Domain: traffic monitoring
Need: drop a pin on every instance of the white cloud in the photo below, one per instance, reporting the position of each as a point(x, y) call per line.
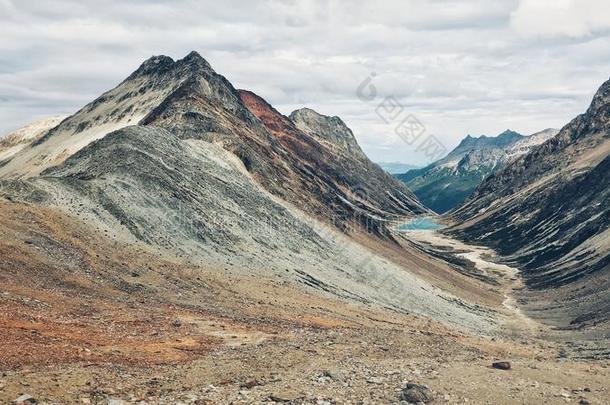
point(561, 18)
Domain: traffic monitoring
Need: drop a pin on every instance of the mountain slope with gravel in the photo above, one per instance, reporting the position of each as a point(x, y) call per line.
point(189, 98)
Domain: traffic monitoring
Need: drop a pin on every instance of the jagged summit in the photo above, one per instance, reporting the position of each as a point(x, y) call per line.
point(509, 133)
point(161, 64)
point(311, 115)
point(153, 64)
point(470, 143)
point(194, 57)
point(503, 139)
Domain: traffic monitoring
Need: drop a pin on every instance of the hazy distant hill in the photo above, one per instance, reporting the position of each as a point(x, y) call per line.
point(397, 167)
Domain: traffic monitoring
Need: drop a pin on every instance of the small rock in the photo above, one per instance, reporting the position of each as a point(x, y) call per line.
point(286, 396)
point(322, 378)
point(250, 384)
point(25, 399)
point(501, 365)
point(584, 402)
point(177, 323)
point(374, 380)
point(335, 375)
point(415, 393)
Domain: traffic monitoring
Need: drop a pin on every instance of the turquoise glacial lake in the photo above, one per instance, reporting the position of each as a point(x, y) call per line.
point(420, 224)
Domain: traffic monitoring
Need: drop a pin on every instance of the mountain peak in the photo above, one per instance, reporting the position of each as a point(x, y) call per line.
point(160, 64)
point(331, 129)
point(601, 98)
point(193, 55)
point(507, 137)
point(306, 110)
point(195, 59)
point(306, 114)
point(501, 140)
point(156, 63)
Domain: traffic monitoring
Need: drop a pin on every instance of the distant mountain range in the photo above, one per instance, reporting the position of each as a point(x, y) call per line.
point(23, 137)
point(397, 167)
point(447, 182)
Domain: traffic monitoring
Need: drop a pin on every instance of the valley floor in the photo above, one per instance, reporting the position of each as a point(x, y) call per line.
point(144, 329)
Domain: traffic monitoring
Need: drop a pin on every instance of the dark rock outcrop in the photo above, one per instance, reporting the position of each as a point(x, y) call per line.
point(416, 394)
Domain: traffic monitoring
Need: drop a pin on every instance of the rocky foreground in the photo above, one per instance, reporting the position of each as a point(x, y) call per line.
point(139, 328)
point(340, 365)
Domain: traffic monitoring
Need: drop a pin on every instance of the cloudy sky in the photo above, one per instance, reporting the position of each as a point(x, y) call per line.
point(459, 66)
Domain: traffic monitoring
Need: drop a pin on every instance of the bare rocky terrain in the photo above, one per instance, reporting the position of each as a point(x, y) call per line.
point(181, 241)
point(136, 327)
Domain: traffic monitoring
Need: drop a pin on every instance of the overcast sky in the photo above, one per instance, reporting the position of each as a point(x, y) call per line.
point(461, 67)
